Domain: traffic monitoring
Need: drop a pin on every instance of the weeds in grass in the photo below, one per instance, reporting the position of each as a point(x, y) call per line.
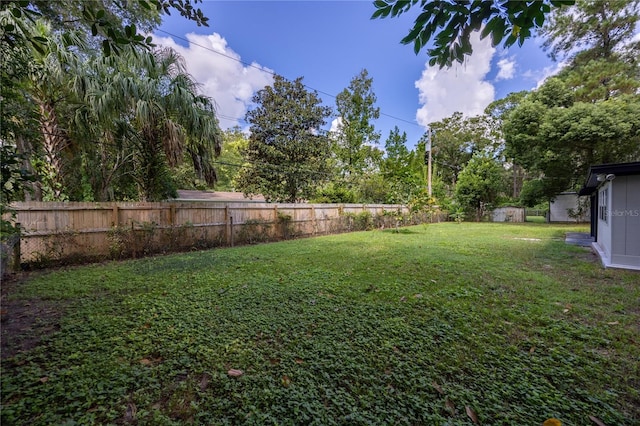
point(503, 321)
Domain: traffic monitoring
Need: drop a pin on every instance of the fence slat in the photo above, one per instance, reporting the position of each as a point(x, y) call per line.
point(53, 231)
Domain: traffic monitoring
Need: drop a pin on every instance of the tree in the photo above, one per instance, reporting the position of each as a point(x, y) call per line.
point(148, 105)
point(596, 38)
point(479, 184)
point(287, 153)
point(457, 138)
point(234, 142)
point(114, 24)
point(398, 169)
point(47, 87)
point(560, 139)
point(90, 139)
point(499, 110)
point(14, 181)
point(356, 135)
point(588, 113)
point(19, 119)
point(592, 29)
point(451, 22)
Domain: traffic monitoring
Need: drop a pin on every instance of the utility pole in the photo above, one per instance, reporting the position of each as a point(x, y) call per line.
point(428, 148)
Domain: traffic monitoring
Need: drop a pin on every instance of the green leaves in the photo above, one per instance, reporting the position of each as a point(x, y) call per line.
point(287, 154)
point(330, 330)
point(449, 24)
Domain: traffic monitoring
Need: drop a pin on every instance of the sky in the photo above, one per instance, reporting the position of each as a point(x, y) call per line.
point(328, 43)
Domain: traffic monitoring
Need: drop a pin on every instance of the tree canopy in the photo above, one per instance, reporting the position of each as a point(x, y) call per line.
point(479, 184)
point(287, 154)
point(356, 134)
point(588, 113)
point(98, 126)
point(113, 23)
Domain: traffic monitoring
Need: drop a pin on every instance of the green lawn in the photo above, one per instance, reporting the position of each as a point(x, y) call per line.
point(365, 328)
point(536, 219)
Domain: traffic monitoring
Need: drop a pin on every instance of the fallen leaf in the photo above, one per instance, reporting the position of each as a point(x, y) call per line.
point(204, 382)
point(565, 310)
point(44, 379)
point(235, 373)
point(403, 298)
point(450, 406)
point(286, 381)
point(532, 350)
point(145, 361)
point(552, 422)
point(613, 323)
point(437, 387)
point(299, 361)
point(434, 281)
point(274, 361)
point(132, 411)
point(417, 296)
point(472, 414)
point(596, 421)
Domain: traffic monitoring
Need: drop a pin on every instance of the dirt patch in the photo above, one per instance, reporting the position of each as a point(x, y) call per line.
point(24, 323)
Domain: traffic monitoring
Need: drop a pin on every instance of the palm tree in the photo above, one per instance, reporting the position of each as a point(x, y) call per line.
point(148, 106)
point(49, 71)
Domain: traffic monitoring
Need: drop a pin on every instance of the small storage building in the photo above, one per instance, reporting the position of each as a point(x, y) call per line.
point(614, 190)
point(568, 207)
point(508, 214)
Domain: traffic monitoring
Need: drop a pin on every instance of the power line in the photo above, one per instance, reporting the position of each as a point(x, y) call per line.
point(262, 69)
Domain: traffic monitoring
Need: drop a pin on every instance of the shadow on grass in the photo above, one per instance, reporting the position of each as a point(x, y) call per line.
point(405, 231)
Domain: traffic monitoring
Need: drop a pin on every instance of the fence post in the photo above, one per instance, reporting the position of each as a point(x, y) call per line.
point(172, 215)
point(17, 251)
point(114, 216)
point(227, 226)
point(313, 219)
point(276, 225)
point(231, 221)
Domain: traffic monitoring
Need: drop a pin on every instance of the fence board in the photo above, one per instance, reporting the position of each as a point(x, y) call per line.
point(54, 231)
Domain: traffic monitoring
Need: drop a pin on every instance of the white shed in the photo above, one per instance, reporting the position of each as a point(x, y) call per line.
point(615, 213)
point(508, 214)
point(568, 207)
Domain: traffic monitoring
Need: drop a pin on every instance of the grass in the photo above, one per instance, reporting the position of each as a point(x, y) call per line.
point(536, 219)
point(365, 328)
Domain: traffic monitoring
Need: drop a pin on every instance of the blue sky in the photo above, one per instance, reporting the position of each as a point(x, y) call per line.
point(330, 42)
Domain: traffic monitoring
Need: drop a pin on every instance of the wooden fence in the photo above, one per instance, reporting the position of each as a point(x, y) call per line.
point(76, 232)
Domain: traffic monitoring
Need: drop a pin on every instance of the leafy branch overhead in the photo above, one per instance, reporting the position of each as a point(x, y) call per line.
point(103, 21)
point(449, 24)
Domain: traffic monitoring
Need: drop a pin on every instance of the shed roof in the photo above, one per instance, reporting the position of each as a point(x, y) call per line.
point(618, 169)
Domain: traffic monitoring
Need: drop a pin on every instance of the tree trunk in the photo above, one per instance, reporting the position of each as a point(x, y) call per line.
point(54, 141)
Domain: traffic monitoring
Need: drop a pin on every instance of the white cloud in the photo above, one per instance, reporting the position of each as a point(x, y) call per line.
point(230, 83)
point(459, 88)
point(539, 76)
point(336, 124)
point(506, 69)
